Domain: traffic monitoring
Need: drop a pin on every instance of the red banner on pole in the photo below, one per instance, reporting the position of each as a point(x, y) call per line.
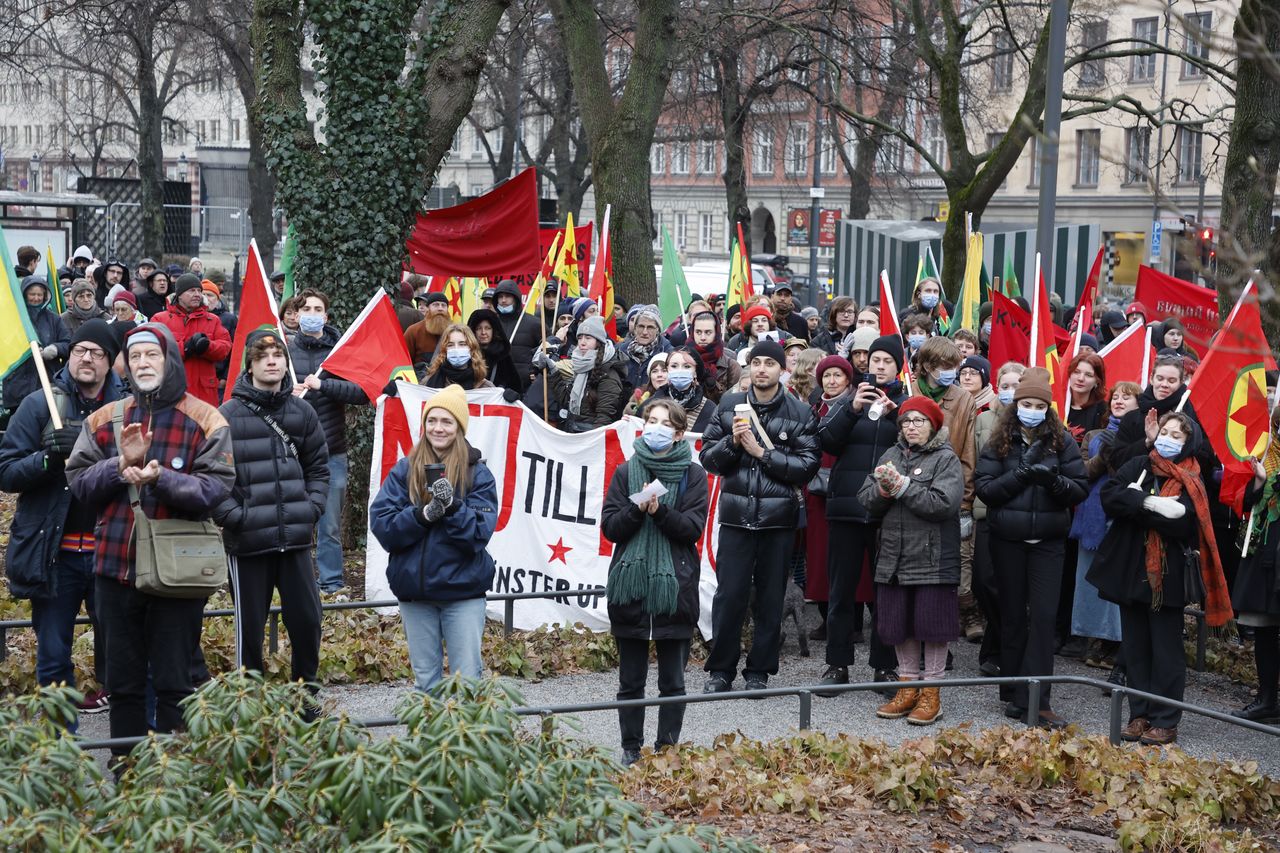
point(498, 230)
point(1196, 306)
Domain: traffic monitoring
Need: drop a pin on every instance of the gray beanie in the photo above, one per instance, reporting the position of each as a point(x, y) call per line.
point(593, 327)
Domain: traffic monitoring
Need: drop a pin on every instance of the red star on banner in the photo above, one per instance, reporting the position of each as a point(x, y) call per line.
point(558, 551)
point(455, 302)
point(1252, 414)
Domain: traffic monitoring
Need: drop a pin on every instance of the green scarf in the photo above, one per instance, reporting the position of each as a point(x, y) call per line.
point(644, 571)
point(927, 389)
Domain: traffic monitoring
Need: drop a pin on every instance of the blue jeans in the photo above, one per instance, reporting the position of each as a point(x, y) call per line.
point(459, 623)
point(54, 618)
point(329, 536)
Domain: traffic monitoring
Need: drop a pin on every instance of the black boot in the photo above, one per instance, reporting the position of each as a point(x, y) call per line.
point(1263, 709)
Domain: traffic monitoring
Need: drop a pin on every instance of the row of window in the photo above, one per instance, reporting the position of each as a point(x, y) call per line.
point(713, 230)
point(175, 133)
point(1137, 156)
point(677, 157)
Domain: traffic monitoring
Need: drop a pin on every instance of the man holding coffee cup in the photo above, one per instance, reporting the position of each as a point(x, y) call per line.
point(763, 443)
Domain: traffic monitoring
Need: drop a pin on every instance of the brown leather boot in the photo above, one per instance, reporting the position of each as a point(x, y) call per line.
point(902, 702)
point(928, 710)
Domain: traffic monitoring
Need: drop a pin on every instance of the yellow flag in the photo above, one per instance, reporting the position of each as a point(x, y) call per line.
point(540, 283)
point(472, 289)
point(971, 290)
point(16, 329)
point(567, 264)
point(453, 293)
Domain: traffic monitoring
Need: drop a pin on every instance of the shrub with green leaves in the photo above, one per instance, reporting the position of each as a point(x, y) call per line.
point(464, 774)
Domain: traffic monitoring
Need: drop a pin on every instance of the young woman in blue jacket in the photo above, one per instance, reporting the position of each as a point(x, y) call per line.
point(435, 523)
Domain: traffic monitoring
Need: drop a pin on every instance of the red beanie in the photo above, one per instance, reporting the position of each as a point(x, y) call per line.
point(755, 311)
point(925, 406)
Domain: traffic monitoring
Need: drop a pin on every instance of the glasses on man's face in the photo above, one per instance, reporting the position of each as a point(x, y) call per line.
point(88, 353)
point(847, 311)
point(914, 423)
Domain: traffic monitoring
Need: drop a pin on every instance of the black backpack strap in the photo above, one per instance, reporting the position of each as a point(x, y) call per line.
point(271, 422)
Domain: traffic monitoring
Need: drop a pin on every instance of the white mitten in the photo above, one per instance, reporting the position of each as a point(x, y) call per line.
point(1168, 507)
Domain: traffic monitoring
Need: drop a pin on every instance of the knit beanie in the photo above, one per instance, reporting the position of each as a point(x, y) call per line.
point(82, 285)
point(836, 362)
point(769, 349)
point(808, 312)
point(581, 306)
point(1034, 386)
point(863, 338)
point(209, 287)
point(753, 312)
point(922, 404)
point(593, 327)
point(124, 295)
point(892, 344)
point(186, 281)
point(979, 364)
point(453, 400)
point(984, 312)
point(97, 331)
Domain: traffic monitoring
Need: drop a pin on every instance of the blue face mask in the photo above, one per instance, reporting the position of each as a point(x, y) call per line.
point(680, 378)
point(1031, 418)
point(986, 329)
point(916, 341)
point(946, 378)
point(659, 437)
point(1006, 396)
point(311, 323)
point(458, 356)
point(929, 300)
point(506, 309)
point(1168, 447)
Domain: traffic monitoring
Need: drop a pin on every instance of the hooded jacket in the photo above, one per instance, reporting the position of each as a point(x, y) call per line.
point(525, 334)
point(1019, 510)
point(280, 490)
point(919, 529)
point(74, 316)
point(44, 498)
point(202, 369)
point(50, 330)
point(189, 440)
point(497, 354)
point(331, 401)
point(444, 561)
point(762, 493)
point(151, 303)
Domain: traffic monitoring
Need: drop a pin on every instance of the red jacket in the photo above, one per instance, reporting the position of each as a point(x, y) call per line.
point(202, 376)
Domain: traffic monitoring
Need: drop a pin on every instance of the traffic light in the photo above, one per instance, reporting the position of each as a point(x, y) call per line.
point(1208, 250)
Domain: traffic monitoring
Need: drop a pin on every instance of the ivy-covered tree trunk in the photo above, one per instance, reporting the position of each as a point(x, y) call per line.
point(620, 132)
point(150, 155)
point(1253, 156)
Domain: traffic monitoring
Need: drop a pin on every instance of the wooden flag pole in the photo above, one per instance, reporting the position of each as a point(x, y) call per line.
point(546, 374)
point(45, 386)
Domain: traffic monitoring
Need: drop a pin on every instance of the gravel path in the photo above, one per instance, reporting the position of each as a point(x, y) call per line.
point(851, 713)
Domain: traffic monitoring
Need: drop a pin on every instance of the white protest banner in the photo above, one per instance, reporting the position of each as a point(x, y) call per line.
point(551, 487)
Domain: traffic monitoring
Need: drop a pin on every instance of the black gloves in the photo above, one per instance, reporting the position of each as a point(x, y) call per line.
point(59, 442)
point(1034, 453)
point(197, 344)
point(1041, 475)
point(510, 395)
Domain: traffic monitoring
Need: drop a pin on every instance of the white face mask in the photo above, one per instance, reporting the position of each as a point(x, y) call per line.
point(458, 356)
point(680, 377)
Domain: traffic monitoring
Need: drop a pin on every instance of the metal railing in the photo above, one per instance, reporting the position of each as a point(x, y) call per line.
point(273, 621)
point(806, 693)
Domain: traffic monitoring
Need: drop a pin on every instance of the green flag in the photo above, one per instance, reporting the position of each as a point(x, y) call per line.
point(1011, 287)
point(673, 290)
point(287, 254)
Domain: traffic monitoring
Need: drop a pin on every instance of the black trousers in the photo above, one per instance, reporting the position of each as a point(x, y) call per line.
point(1029, 577)
point(146, 632)
point(751, 570)
point(633, 672)
point(1266, 655)
point(849, 543)
point(253, 579)
point(1067, 593)
point(1154, 660)
point(986, 590)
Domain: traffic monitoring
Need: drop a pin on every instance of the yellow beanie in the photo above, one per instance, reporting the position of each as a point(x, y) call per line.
point(453, 400)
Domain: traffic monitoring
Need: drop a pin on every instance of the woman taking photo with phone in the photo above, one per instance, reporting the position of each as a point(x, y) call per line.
point(435, 514)
point(653, 577)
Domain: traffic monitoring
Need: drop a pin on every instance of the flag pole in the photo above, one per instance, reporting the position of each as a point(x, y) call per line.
point(45, 386)
point(546, 374)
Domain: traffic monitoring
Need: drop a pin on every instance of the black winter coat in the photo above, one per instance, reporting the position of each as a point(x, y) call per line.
point(763, 493)
point(278, 497)
point(331, 401)
point(24, 379)
point(1257, 583)
point(1019, 510)
point(525, 337)
point(682, 526)
point(857, 442)
point(1131, 438)
point(1119, 569)
point(44, 499)
point(497, 353)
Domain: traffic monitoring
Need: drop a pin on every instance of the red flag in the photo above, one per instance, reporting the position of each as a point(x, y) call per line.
point(1128, 357)
point(1010, 331)
point(889, 325)
point(372, 351)
point(1229, 393)
point(1196, 306)
point(1082, 322)
point(258, 310)
point(601, 288)
point(498, 230)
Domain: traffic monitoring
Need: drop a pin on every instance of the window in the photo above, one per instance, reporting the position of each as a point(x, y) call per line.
point(934, 142)
point(1033, 147)
point(796, 162)
point(657, 229)
point(993, 140)
point(886, 47)
point(1196, 42)
point(215, 130)
point(199, 131)
point(762, 151)
point(618, 65)
point(706, 231)
point(1143, 68)
point(889, 156)
point(39, 134)
point(477, 190)
point(1190, 153)
point(456, 145)
point(1088, 156)
point(1002, 63)
point(678, 237)
point(706, 74)
point(1094, 71)
point(680, 81)
point(707, 157)
point(477, 141)
point(235, 130)
point(800, 60)
point(680, 154)
point(658, 158)
point(829, 156)
point(1137, 154)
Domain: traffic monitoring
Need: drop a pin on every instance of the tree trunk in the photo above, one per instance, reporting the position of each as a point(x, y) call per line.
point(864, 161)
point(262, 193)
point(953, 244)
point(1245, 235)
point(150, 156)
point(734, 119)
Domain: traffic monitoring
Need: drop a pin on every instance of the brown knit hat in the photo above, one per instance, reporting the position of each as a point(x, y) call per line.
point(1034, 386)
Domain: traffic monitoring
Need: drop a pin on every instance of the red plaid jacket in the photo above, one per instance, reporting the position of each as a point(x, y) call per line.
point(191, 442)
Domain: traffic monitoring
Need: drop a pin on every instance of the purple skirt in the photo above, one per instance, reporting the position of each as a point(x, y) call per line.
point(929, 614)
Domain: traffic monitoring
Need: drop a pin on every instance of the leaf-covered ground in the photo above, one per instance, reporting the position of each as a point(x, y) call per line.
point(958, 790)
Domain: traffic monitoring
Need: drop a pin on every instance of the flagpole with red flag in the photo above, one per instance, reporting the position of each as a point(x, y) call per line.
point(889, 326)
point(601, 288)
point(258, 309)
point(372, 351)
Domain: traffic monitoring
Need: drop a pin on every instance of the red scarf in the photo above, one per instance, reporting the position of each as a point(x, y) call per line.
point(710, 355)
point(1180, 477)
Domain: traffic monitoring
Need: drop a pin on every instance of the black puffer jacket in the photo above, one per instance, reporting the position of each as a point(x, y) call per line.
point(278, 497)
point(857, 442)
point(1131, 438)
point(331, 401)
point(762, 493)
point(682, 525)
point(1018, 509)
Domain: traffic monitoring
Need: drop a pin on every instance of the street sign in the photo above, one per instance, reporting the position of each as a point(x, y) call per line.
point(1157, 229)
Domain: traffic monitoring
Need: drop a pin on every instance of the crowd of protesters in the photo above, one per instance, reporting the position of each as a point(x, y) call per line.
point(900, 477)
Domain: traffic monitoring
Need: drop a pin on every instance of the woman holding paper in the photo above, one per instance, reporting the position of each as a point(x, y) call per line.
point(654, 512)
